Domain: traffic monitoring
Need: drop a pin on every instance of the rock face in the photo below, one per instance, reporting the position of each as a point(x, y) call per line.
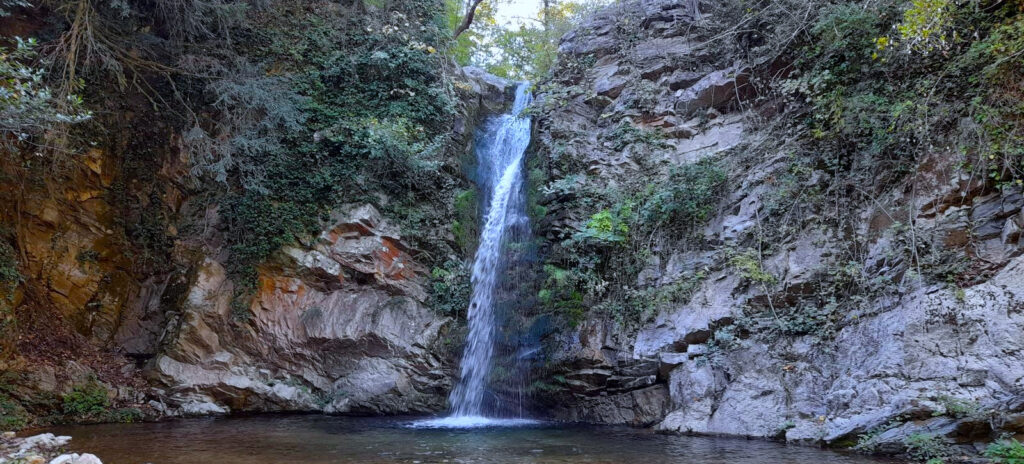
point(910, 357)
point(663, 84)
point(339, 322)
point(894, 364)
point(338, 325)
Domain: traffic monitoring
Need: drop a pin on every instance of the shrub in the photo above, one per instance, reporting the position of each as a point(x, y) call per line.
point(464, 227)
point(257, 113)
point(124, 415)
point(687, 198)
point(450, 288)
point(609, 226)
point(927, 447)
point(748, 263)
point(626, 134)
point(241, 311)
point(12, 415)
point(86, 401)
point(958, 408)
point(562, 292)
point(27, 105)
point(1006, 451)
point(324, 110)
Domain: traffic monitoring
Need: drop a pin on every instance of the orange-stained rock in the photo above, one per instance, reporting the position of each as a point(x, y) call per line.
point(341, 317)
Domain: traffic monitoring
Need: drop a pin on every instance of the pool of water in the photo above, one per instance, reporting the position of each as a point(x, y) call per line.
point(315, 439)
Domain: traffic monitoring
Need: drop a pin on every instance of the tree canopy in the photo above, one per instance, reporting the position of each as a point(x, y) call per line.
point(524, 51)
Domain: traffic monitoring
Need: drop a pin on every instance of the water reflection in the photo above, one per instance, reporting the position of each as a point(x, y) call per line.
point(324, 439)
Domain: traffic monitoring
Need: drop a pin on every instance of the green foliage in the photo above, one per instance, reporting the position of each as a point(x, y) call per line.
point(326, 111)
point(464, 225)
point(28, 106)
point(450, 288)
point(596, 268)
point(89, 402)
point(527, 51)
point(843, 39)
point(626, 134)
point(958, 408)
point(927, 447)
point(561, 292)
point(867, 442)
point(926, 24)
point(241, 309)
point(996, 65)
point(1005, 451)
point(608, 226)
point(467, 46)
point(10, 278)
point(258, 111)
point(86, 401)
point(640, 304)
point(871, 111)
point(261, 226)
point(688, 197)
point(875, 106)
point(748, 263)
point(13, 415)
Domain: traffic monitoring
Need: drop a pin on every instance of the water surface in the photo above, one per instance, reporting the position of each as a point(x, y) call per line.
point(315, 439)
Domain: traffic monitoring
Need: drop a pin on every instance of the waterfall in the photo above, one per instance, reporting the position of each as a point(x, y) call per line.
point(500, 148)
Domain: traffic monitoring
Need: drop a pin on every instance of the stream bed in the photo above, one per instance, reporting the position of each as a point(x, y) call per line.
point(318, 439)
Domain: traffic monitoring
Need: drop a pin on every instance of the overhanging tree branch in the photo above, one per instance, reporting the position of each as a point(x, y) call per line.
point(468, 19)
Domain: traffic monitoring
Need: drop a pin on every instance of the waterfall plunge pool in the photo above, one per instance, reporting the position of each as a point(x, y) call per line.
point(318, 439)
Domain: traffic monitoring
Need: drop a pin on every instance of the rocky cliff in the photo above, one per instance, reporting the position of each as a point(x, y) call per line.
point(136, 284)
point(725, 268)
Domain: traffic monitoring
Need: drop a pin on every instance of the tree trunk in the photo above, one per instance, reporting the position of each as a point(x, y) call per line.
point(467, 20)
point(547, 15)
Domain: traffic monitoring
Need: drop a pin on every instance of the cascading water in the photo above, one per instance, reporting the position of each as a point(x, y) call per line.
point(500, 149)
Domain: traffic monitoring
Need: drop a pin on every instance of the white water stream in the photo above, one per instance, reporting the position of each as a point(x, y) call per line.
point(500, 153)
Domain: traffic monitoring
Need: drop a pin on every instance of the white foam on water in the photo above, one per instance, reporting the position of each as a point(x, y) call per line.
point(471, 422)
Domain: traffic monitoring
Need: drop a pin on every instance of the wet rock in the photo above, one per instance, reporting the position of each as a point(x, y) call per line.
point(638, 407)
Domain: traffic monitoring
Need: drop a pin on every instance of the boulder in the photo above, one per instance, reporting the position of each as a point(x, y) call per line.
point(76, 459)
point(715, 90)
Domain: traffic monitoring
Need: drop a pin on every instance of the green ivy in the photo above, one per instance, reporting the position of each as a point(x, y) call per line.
point(450, 288)
point(688, 197)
